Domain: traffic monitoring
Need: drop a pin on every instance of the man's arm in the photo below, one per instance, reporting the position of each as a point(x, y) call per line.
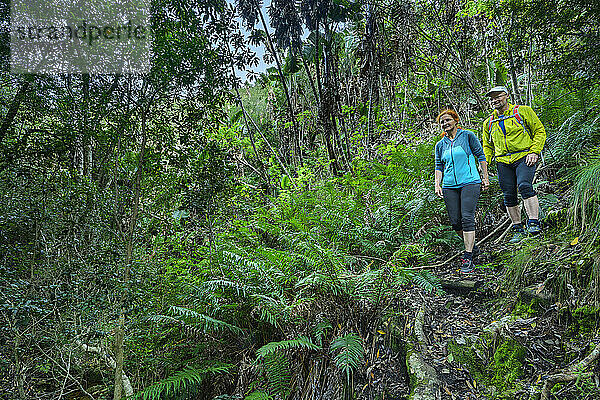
point(538, 132)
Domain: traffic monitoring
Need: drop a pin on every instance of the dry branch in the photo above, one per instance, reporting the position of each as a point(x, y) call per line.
point(455, 256)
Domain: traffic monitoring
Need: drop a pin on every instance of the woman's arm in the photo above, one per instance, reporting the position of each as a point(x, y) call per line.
point(438, 183)
point(485, 181)
point(438, 169)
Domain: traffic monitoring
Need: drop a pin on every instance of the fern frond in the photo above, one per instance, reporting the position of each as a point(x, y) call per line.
point(350, 353)
point(205, 322)
point(320, 330)
point(586, 195)
point(318, 279)
point(428, 281)
point(240, 288)
point(163, 319)
point(278, 372)
point(365, 286)
point(271, 310)
point(301, 342)
point(258, 396)
point(180, 382)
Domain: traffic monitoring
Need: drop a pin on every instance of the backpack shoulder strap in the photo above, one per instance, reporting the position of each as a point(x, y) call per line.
point(520, 119)
point(490, 122)
point(517, 115)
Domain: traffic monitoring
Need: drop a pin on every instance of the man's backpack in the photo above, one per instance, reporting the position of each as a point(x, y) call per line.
point(515, 114)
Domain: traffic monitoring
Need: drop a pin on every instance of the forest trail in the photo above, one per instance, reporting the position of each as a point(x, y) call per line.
point(480, 341)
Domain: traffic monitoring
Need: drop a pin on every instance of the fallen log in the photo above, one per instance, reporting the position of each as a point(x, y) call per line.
point(460, 285)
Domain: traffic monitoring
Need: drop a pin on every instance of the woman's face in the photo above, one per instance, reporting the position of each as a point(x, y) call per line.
point(447, 123)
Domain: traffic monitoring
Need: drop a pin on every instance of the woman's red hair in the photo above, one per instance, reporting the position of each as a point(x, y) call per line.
point(448, 111)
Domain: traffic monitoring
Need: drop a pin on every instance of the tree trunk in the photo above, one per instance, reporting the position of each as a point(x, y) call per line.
point(120, 330)
point(271, 48)
point(328, 104)
point(13, 109)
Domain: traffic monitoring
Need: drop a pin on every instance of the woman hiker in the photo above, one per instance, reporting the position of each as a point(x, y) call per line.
point(457, 179)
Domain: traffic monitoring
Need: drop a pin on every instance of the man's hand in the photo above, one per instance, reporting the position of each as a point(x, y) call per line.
point(531, 159)
point(439, 191)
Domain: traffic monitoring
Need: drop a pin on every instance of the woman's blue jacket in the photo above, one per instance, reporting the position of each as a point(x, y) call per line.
point(457, 159)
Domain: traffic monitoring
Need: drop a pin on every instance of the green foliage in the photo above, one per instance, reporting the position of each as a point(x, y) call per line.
point(501, 372)
point(278, 372)
point(429, 282)
point(258, 396)
point(195, 321)
point(508, 364)
point(586, 196)
point(349, 353)
point(578, 135)
point(302, 342)
point(585, 319)
point(182, 383)
point(518, 266)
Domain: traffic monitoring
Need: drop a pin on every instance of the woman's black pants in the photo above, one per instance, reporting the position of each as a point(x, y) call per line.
point(461, 204)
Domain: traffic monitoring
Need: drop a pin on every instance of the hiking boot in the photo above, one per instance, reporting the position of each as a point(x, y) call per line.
point(476, 251)
point(534, 229)
point(517, 237)
point(466, 266)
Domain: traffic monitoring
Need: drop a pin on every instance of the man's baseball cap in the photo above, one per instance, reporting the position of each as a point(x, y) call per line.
point(497, 89)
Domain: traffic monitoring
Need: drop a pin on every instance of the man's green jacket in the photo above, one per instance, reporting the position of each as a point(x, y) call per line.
point(507, 140)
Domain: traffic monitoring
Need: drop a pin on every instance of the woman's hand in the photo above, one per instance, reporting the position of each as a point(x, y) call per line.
point(438, 191)
point(485, 183)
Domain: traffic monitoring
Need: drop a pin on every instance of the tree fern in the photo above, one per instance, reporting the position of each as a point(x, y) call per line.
point(349, 353)
point(180, 382)
point(301, 342)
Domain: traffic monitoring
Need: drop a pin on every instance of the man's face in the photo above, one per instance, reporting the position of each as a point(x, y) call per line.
point(499, 100)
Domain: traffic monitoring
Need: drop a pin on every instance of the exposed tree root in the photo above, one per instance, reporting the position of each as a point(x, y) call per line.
point(573, 372)
point(424, 381)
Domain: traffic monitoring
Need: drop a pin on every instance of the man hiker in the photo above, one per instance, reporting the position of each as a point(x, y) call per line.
point(515, 136)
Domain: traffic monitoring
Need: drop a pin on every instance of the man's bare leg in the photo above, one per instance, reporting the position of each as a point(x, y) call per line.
point(515, 214)
point(532, 207)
